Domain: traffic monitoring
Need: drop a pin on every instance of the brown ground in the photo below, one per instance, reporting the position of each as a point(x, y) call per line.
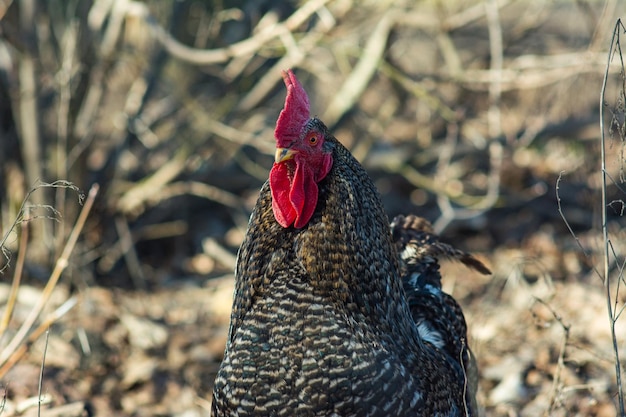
point(180, 143)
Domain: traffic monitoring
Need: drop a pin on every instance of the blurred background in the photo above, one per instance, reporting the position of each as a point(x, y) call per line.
point(481, 116)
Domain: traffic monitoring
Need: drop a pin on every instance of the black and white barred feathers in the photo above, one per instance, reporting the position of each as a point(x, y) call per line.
point(438, 316)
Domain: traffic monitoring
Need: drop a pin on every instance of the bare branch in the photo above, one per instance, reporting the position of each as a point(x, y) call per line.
point(220, 55)
point(363, 72)
point(614, 48)
point(61, 264)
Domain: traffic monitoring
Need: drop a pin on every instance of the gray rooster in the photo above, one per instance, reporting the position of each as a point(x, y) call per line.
point(334, 313)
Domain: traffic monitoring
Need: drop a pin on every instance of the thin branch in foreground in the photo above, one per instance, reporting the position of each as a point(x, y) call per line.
point(614, 49)
point(3, 403)
point(584, 251)
point(22, 218)
point(43, 362)
point(15, 284)
point(59, 267)
point(18, 353)
point(620, 277)
point(557, 377)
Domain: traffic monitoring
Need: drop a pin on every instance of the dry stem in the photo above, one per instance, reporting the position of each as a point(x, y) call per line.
point(59, 267)
point(17, 277)
point(614, 48)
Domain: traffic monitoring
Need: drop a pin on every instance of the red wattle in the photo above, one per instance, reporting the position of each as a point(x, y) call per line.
point(303, 195)
point(293, 202)
point(280, 186)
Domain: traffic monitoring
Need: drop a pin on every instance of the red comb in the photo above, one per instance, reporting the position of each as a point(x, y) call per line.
point(295, 113)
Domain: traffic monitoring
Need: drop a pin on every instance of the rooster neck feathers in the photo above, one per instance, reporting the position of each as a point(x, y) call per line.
point(345, 249)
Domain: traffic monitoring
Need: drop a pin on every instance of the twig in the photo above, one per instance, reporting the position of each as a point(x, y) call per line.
point(3, 403)
point(43, 363)
point(605, 19)
point(584, 251)
point(529, 72)
point(466, 381)
point(199, 189)
point(17, 277)
point(22, 211)
point(363, 72)
point(448, 213)
point(230, 133)
point(479, 207)
point(291, 59)
point(238, 64)
point(475, 208)
point(130, 254)
point(154, 231)
point(24, 407)
point(557, 381)
point(620, 276)
point(221, 55)
point(449, 53)
point(76, 409)
point(114, 27)
point(64, 77)
point(132, 201)
point(469, 15)
point(114, 16)
point(216, 251)
point(19, 352)
point(495, 87)
point(443, 162)
point(420, 92)
point(4, 6)
point(61, 264)
point(615, 47)
point(28, 113)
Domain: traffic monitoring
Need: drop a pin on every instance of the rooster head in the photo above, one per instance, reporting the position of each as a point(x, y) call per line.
point(303, 158)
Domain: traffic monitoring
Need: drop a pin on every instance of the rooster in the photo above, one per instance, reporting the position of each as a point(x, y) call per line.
point(328, 317)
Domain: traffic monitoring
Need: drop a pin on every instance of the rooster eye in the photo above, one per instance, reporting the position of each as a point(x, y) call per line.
point(313, 140)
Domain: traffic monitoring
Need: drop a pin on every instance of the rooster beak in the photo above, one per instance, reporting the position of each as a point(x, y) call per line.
point(284, 154)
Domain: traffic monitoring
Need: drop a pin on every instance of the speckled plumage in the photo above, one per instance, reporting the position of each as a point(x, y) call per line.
point(321, 325)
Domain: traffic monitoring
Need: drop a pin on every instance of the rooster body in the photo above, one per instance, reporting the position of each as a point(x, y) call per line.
point(321, 325)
